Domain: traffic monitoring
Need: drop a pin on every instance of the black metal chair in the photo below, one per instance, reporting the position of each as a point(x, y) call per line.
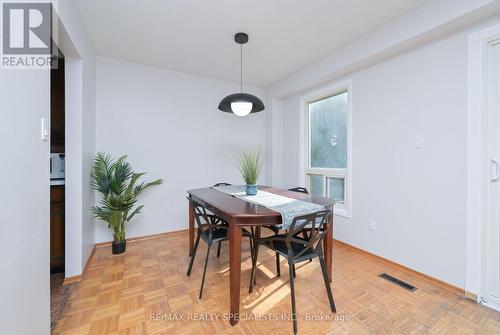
point(219, 245)
point(302, 242)
point(276, 229)
point(299, 189)
point(211, 229)
point(222, 184)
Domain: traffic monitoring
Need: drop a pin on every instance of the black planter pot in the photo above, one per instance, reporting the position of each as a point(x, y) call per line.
point(118, 248)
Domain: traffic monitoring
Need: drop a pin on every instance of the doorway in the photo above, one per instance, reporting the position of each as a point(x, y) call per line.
point(482, 271)
point(58, 291)
point(490, 286)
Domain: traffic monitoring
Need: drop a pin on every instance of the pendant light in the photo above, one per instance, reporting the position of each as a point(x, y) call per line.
point(241, 103)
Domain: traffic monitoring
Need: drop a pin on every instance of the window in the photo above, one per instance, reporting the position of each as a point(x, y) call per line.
point(328, 148)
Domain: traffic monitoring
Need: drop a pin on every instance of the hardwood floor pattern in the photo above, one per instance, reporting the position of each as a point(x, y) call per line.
point(119, 294)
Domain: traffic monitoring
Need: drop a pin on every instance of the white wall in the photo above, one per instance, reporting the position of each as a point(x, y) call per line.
point(24, 232)
point(24, 227)
point(169, 126)
point(80, 136)
point(274, 141)
point(416, 196)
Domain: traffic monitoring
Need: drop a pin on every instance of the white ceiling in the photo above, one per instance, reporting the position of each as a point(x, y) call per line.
point(196, 36)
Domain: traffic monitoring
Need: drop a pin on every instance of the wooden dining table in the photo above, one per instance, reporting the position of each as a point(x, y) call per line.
point(239, 213)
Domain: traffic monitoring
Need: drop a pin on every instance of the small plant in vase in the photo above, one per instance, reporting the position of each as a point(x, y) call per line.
point(250, 167)
point(120, 187)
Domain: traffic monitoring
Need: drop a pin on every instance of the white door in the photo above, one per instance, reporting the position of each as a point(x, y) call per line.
point(491, 233)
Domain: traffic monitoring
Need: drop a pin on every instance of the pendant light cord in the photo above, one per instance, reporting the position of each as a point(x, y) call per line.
point(241, 68)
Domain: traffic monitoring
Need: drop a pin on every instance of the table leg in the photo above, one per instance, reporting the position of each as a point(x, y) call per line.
point(191, 229)
point(234, 271)
point(327, 248)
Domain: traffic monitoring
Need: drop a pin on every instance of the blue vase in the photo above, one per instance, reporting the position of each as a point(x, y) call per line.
point(251, 189)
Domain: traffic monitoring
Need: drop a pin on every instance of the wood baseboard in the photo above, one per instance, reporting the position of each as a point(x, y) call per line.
point(89, 259)
point(72, 279)
point(435, 281)
point(432, 280)
point(142, 238)
point(471, 296)
point(77, 278)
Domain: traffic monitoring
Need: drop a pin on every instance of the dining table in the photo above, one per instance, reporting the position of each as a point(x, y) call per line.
point(239, 213)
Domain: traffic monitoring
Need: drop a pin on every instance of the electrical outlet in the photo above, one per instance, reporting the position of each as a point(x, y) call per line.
point(372, 225)
point(418, 142)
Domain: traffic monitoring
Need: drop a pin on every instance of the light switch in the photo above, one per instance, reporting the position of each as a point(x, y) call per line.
point(372, 225)
point(418, 142)
point(44, 129)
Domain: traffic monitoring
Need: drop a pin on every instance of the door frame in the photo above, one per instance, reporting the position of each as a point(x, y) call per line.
point(476, 162)
point(73, 255)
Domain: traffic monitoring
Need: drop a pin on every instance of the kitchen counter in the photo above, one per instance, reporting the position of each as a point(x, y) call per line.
point(56, 182)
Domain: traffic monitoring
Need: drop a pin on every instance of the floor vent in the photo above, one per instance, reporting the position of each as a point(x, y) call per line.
point(398, 282)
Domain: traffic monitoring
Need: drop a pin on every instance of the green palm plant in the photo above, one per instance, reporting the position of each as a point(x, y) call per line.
point(120, 187)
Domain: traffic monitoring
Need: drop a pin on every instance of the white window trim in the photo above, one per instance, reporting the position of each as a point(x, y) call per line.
point(304, 169)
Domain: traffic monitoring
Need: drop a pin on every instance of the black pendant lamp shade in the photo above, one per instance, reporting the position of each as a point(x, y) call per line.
point(225, 104)
point(239, 103)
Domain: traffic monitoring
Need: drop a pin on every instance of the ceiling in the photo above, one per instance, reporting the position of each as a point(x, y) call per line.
point(196, 36)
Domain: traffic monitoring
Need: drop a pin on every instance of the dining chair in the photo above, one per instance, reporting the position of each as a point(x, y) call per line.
point(299, 189)
point(276, 228)
point(219, 245)
point(211, 229)
point(222, 184)
point(302, 242)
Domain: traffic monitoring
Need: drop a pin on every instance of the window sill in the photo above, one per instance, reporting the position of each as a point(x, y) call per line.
point(342, 212)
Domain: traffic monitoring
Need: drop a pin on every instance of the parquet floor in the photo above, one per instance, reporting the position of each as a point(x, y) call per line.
point(146, 291)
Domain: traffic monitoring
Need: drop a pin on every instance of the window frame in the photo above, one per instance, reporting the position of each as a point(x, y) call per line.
point(344, 210)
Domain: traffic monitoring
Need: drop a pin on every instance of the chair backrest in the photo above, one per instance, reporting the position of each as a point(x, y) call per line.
point(299, 189)
point(204, 220)
point(222, 184)
point(309, 231)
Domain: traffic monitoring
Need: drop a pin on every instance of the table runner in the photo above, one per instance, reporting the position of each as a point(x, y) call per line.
point(288, 207)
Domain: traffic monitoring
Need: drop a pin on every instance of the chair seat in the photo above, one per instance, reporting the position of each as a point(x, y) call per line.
point(221, 234)
point(281, 248)
point(275, 228)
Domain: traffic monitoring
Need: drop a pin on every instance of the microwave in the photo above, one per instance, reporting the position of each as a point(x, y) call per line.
point(57, 166)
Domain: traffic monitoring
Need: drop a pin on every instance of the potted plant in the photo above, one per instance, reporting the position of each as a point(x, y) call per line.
point(250, 167)
point(120, 187)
